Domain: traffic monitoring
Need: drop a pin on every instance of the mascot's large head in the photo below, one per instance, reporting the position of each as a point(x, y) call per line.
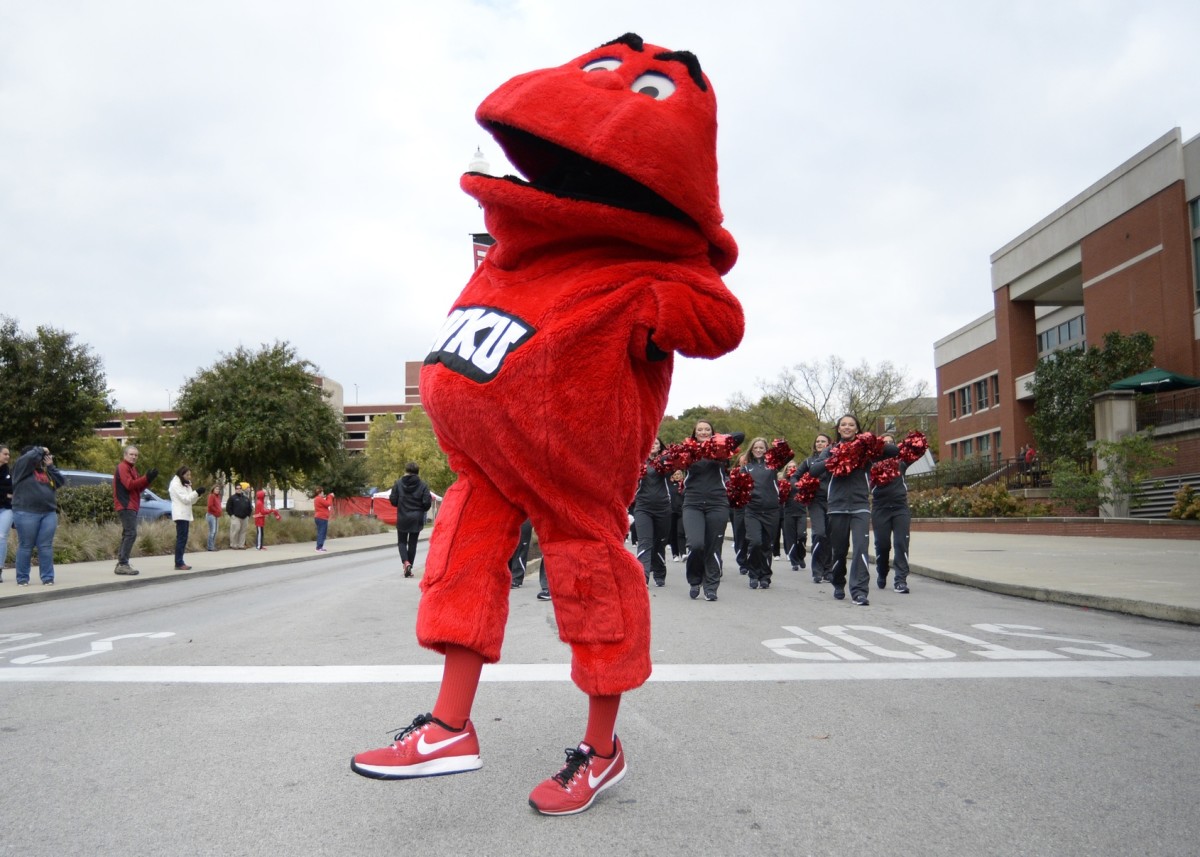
point(628, 125)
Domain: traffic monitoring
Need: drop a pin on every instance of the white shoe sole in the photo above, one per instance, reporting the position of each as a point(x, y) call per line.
point(432, 768)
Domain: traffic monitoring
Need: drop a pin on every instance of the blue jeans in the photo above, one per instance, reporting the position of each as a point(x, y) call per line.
point(212, 531)
point(322, 529)
point(6, 522)
point(35, 528)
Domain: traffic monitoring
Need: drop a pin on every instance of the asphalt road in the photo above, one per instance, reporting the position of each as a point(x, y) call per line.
point(217, 715)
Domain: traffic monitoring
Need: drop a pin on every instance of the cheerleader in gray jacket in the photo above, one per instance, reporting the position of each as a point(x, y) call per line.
point(705, 517)
point(795, 521)
point(817, 510)
point(891, 520)
point(652, 518)
point(849, 516)
point(762, 514)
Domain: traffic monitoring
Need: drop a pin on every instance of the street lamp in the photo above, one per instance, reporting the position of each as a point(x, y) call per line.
point(356, 394)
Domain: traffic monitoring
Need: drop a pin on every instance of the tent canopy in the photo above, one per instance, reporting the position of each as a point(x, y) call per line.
point(1156, 381)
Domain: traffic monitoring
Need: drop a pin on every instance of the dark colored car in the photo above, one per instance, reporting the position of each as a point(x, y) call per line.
point(153, 507)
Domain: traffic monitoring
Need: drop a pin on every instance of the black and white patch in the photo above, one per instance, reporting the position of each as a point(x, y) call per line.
point(475, 341)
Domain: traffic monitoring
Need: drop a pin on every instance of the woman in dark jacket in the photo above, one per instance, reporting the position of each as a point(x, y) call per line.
point(705, 516)
point(850, 515)
point(652, 517)
point(762, 514)
point(412, 499)
point(817, 509)
point(35, 512)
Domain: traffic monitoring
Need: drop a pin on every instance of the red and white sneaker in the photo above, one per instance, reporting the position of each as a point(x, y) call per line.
point(425, 748)
point(585, 775)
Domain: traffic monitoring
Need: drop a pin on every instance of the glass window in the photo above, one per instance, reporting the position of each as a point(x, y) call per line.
point(981, 395)
point(964, 401)
point(1051, 337)
point(996, 389)
point(967, 448)
point(1076, 328)
point(985, 444)
point(953, 406)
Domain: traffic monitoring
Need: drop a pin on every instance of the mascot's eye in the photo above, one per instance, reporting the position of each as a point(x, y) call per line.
point(603, 64)
point(657, 86)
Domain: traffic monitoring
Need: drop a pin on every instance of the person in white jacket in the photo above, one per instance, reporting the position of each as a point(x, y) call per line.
point(183, 495)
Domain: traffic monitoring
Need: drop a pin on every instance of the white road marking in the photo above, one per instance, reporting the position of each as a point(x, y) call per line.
point(430, 674)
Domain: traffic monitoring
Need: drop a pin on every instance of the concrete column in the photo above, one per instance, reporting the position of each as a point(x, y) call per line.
point(1116, 418)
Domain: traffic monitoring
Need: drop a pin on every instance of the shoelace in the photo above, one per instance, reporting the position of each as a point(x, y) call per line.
point(576, 759)
point(418, 721)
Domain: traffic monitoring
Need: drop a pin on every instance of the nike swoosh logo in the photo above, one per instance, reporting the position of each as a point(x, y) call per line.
point(595, 781)
point(425, 747)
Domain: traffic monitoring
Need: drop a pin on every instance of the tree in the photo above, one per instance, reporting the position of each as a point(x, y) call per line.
point(260, 415)
point(52, 390)
point(830, 388)
point(157, 449)
point(772, 417)
point(391, 445)
point(1064, 383)
point(342, 474)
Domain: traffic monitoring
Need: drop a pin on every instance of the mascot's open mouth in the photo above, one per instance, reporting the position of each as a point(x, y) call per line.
point(557, 170)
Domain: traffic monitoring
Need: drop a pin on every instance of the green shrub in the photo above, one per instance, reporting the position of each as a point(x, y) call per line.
point(91, 504)
point(1187, 504)
point(982, 501)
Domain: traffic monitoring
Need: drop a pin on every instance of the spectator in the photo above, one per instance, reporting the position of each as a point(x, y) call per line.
point(6, 514)
point(322, 506)
point(182, 497)
point(127, 499)
point(35, 512)
point(238, 508)
point(213, 515)
point(260, 519)
point(412, 499)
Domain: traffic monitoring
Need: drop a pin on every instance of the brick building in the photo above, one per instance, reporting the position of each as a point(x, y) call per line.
point(1123, 256)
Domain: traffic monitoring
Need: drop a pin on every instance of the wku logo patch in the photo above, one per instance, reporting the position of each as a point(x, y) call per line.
point(475, 340)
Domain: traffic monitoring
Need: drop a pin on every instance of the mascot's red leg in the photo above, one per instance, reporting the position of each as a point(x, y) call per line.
point(600, 599)
point(465, 588)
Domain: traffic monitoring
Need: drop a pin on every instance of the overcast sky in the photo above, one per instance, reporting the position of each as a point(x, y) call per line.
point(178, 179)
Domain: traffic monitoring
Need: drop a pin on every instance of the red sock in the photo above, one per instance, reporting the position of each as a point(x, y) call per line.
point(460, 680)
point(602, 723)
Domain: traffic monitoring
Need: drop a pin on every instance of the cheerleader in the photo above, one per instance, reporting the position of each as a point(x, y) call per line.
point(817, 508)
point(652, 518)
point(795, 521)
point(891, 520)
point(737, 520)
point(762, 514)
point(705, 517)
point(675, 538)
point(849, 514)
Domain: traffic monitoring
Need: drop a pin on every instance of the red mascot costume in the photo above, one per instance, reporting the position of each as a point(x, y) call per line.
point(549, 379)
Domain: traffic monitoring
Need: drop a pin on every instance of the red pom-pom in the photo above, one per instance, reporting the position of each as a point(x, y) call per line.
point(785, 491)
point(778, 454)
point(913, 447)
point(739, 487)
point(720, 447)
point(806, 489)
point(883, 472)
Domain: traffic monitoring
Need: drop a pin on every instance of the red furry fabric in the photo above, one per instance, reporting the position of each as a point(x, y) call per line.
point(550, 377)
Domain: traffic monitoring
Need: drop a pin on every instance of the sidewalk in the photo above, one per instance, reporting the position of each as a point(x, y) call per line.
point(1155, 578)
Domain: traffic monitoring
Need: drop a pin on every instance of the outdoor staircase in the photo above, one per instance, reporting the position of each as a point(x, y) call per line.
point(1158, 496)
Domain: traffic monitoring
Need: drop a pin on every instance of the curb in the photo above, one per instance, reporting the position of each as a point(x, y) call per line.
point(1146, 609)
point(54, 594)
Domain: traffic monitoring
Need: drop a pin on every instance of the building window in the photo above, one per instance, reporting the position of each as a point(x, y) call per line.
point(981, 395)
point(967, 448)
point(953, 405)
point(1194, 208)
point(995, 389)
point(964, 401)
point(1068, 334)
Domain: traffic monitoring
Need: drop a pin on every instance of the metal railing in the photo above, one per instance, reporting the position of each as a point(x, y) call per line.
point(1014, 473)
point(1164, 409)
